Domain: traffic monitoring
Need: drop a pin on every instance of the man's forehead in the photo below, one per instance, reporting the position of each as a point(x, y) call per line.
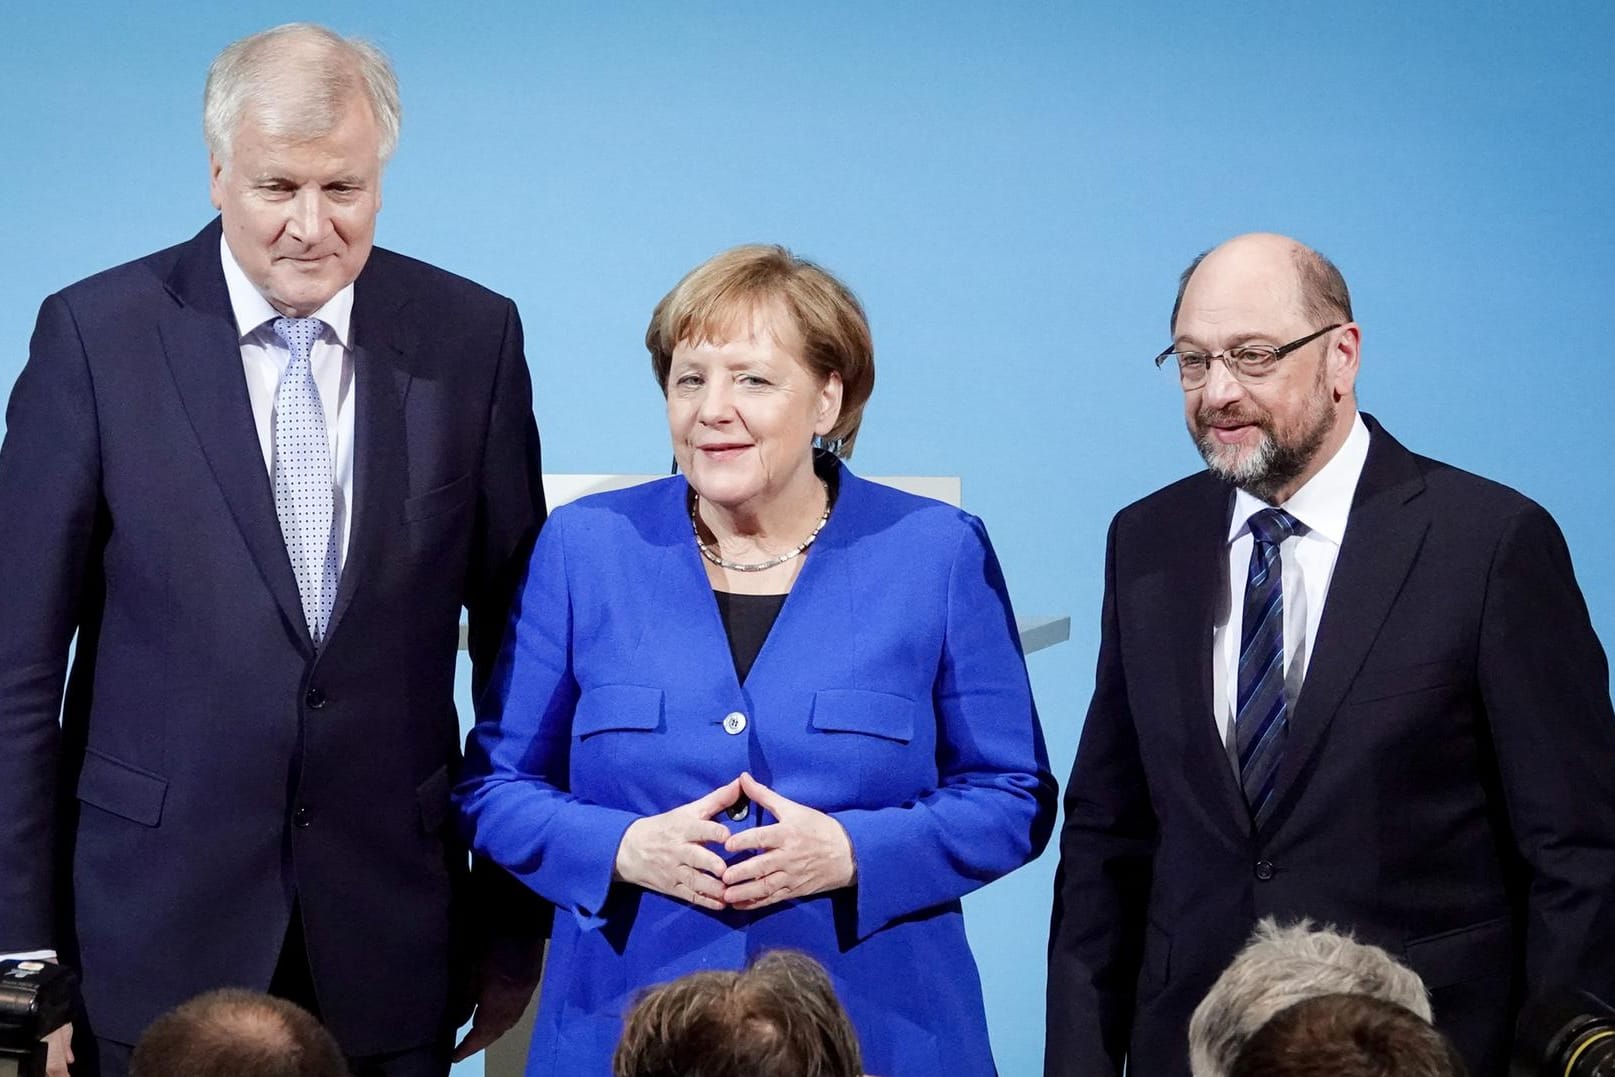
point(1243, 297)
point(345, 148)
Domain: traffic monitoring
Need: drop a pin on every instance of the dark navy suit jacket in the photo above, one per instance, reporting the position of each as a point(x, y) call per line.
point(210, 767)
point(1447, 790)
point(890, 693)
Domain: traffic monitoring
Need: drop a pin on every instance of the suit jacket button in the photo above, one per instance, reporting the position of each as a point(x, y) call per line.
point(1264, 870)
point(315, 698)
point(734, 722)
point(300, 818)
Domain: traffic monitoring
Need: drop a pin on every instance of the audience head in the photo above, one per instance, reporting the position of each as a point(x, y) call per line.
point(237, 1033)
point(1281, 966)
point(1347, 1036)
point(778, 1018)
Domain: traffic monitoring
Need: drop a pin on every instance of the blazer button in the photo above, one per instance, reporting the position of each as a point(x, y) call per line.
point(734, 722)
point(1264, 870)
point(315, 698)
point(300, 818)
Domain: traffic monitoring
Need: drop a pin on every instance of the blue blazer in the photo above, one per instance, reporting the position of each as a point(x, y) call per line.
point(891, 693)
point(212, 768)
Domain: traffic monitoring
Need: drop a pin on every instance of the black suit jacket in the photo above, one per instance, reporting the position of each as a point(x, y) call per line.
point(1447, 790)
point(210, 767)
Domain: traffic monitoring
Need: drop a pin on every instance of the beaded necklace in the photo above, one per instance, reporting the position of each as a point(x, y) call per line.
point(711, 553)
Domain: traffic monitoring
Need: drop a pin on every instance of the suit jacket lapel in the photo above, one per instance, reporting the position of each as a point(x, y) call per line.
point(674, 645)
point(381, 379)
point(1194, 588)
point(1383, 535)
point(681, 585)
point(827, 585)
point(203, 347)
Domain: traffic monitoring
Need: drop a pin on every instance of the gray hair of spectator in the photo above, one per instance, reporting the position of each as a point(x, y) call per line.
point(295, 80)
point(778, 1018)
point(1324, 295)
point(1348, 1036)
point(232, 1032)
point(1281, 966)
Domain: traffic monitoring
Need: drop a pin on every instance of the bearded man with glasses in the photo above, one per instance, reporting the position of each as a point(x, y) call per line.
point(1338, 681)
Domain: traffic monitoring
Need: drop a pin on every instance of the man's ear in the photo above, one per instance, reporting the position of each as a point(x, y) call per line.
point(215, 184)
point(1343, 358)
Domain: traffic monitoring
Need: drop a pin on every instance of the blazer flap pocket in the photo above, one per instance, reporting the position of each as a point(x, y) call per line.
point(451, 495)
point(1156, 968)
point(433, 797)
point(115, 786)
point(617, 706)
point(1372, 684)
point(855, 710)
point(1454, 957)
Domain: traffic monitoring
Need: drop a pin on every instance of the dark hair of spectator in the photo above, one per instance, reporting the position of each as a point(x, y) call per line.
point(236, 1033)
point(1347, 1036)
point(778, 1018)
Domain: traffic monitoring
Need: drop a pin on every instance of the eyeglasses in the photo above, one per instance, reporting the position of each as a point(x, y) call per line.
point(1246, 362)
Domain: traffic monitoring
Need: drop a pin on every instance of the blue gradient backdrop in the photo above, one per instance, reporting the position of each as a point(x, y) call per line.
point(1012, 189)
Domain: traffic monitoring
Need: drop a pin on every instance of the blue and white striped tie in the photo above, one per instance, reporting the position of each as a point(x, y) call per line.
point(1261, 721)
point(304, 494)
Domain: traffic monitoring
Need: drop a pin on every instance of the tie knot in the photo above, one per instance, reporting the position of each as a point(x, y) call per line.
point(299, 334)
point(1273, 526)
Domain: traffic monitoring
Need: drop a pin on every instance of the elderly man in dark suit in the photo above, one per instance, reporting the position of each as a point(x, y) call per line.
point(259, 474)
point(1336, 680)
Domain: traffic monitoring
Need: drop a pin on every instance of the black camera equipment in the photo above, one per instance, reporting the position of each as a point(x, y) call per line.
point(1564, 1033)
point(36, 997)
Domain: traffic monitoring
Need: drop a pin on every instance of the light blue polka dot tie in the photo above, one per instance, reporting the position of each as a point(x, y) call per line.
point(304, 495)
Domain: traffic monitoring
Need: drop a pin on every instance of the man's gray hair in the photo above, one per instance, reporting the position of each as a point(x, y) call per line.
point(295, 80)
point(1281, 966)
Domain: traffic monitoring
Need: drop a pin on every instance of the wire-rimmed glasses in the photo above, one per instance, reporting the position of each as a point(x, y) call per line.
point(1246, 362)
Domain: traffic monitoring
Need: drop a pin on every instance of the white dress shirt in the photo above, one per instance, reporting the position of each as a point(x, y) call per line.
point(1307, 563)
point(264, 356)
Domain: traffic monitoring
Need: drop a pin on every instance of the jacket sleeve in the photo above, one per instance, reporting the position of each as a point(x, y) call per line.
point(1102, 884)
point(508, 921)
point(993, 807)
point(1544, 682)
point(50, 502)
point(511, 505)
point(514, 798)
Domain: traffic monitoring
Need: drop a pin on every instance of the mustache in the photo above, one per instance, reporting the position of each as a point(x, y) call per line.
point(1230, 415)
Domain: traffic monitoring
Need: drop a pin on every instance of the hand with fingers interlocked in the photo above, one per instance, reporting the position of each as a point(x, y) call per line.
point(805, 852)
point(669, 852)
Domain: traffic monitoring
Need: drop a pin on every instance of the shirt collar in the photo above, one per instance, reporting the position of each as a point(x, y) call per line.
point(252, 311)
point(1325, 501)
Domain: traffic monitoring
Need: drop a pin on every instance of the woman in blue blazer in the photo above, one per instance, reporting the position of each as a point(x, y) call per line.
point(762, 703)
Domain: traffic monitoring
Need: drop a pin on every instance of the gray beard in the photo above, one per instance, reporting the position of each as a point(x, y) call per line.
point(1274, 464)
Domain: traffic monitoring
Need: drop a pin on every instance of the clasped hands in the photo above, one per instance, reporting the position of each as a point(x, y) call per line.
point(805, 852)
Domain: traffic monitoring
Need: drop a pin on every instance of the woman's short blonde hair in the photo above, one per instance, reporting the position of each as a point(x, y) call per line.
point(720, 297)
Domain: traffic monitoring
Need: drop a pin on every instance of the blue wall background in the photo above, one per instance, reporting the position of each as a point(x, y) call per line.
point(1012, 189)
